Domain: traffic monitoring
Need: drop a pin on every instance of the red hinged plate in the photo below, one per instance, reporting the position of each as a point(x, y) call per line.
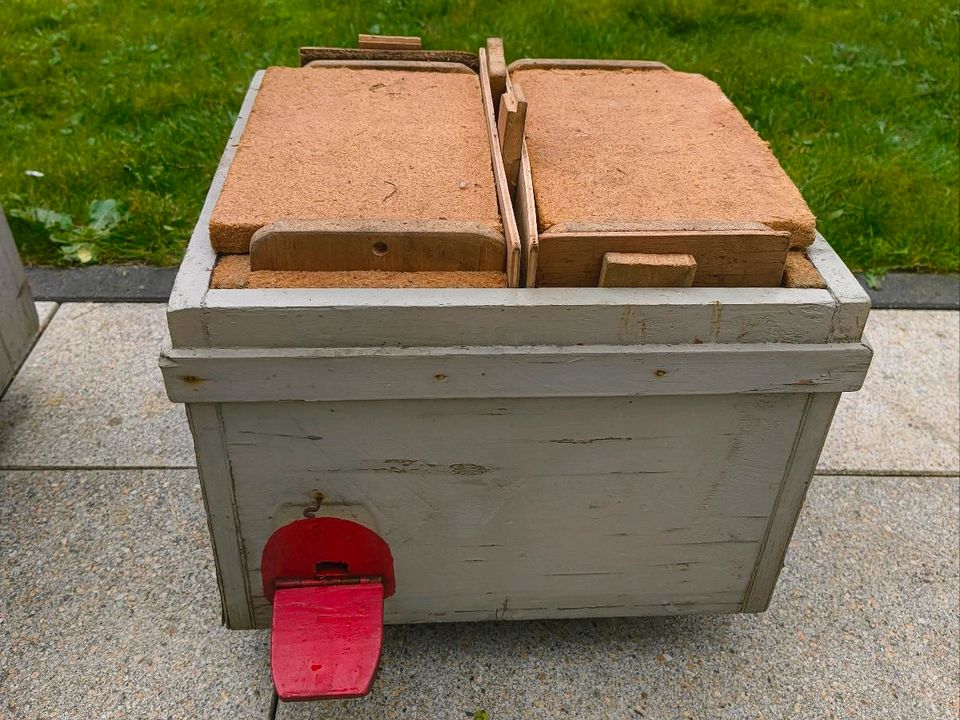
point(326, 640)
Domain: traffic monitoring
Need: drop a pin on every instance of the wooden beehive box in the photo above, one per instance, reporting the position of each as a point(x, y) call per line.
point(18, 316)
point(525, 452)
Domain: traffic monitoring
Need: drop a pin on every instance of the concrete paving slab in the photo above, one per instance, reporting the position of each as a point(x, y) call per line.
point(906, 419)
point(864, 624)
point(90, 394)
point(109, 604)
point(45, 311)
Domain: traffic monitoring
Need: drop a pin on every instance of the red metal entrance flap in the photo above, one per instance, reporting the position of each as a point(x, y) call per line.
point(326, 640)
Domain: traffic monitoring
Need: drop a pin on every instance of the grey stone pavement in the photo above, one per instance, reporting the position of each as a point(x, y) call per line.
point(109, 609)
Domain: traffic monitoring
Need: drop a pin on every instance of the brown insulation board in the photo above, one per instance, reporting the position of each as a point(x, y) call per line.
point(799, 272)
point(334, 143)
point(630, 146)
point(232, 272)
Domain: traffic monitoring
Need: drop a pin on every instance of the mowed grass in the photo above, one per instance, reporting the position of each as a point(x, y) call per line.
point(132, 101)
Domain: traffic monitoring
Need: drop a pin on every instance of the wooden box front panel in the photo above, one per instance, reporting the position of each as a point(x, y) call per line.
point(525, 508)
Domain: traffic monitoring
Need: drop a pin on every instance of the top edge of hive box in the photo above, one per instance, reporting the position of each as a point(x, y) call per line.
point(201, 317)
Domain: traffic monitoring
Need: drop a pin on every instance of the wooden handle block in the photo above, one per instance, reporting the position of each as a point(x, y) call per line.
point(389, 42)
point(510, 124)
point(497, 68)
point(389, 245)
point(647, 270)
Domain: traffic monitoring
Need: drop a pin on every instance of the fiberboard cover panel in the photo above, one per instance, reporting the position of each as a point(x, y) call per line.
point(357, 144)
point(633, 146)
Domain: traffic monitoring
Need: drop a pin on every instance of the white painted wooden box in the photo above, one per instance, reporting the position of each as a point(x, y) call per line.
point(526, 453)
point(18, 316)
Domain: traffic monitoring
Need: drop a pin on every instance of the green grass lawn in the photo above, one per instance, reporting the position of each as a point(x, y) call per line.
point(124, 105)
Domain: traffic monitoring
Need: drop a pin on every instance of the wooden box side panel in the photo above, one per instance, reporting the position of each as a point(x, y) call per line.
point(851, 302)
point(18, 316)
point(216, 485)
point(614, 316)
point(503, 509)
point(815, 424)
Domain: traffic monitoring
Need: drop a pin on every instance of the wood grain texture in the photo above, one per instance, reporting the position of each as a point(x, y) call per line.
point(815, 424)
point(851, 301)
point(309, 54)
point(510, 120)
point(389, 42)
point(725, 258)
point(646, 270)
point(525, 371)
point(547, 517)
point(216, 484)
point(592, 316)
point(387, 245)
point(526, 212)
point(497, 68)
point(584, 64)
point(409, 65)
point(510, 233)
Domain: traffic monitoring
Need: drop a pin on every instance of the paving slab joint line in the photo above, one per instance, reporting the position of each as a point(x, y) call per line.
point(94, 468)
point(830, 472)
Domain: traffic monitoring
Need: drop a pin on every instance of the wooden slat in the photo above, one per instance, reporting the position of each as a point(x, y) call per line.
point(389, 42)
point(510, 233)
point(409, 65)
point(598, 518)
point(258, 375)
point(373, 318)
point(647, 270)
point(497, 68)
point(390, 245)
point(216, 484)
point(585, 64)
point(853, 303)
point(309, 54)
point(526, 213)
point(802, 463)
point(725, 258)
point(510, 123)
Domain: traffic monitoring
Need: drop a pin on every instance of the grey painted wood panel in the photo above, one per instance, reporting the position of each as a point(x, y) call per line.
point(586, 452)
point(371, 374)
point(18, 316)
point(592, 316)
point(216, 485)
point(852, 301)
point(801, 466)
point(657, 503)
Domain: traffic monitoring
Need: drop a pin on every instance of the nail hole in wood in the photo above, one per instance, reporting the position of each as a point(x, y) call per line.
point(380, 249)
